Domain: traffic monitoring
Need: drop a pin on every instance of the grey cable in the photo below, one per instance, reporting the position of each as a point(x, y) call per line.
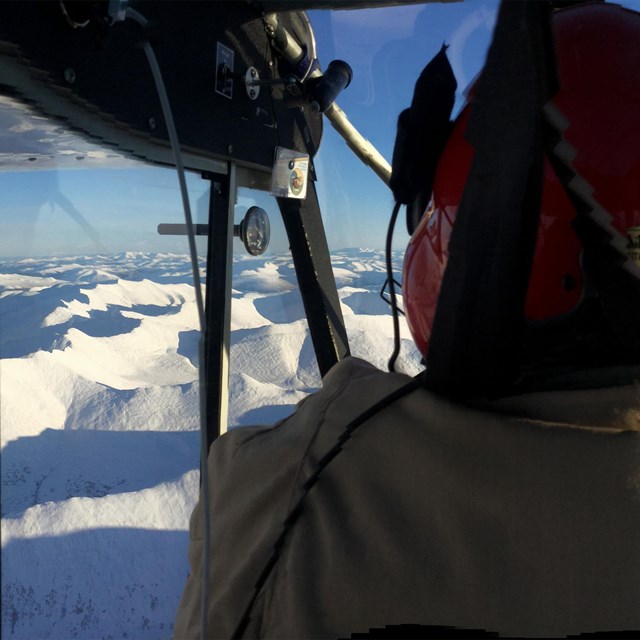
point(175, 146)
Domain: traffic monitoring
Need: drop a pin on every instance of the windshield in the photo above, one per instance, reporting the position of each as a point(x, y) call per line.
point(99, 330)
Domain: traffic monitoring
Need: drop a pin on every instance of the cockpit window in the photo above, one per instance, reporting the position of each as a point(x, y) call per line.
point(99, 334)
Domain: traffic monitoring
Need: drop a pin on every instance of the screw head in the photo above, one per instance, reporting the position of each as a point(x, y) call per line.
point(152, 123)
point(230, 148)
point(252, 94)
point(69, 75)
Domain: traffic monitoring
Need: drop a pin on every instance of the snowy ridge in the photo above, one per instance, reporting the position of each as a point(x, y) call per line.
point(99, 413)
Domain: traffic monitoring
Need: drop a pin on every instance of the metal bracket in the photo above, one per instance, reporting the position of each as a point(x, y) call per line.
point(251, 83)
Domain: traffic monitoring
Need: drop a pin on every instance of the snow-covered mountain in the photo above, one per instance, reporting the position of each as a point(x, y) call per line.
point(99, 416)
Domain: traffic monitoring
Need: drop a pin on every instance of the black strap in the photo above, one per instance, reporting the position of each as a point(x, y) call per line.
point(479, 323)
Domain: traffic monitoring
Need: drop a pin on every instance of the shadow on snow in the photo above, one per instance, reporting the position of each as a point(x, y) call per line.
point(23, 316)
point(60, 464)
point(54, 587)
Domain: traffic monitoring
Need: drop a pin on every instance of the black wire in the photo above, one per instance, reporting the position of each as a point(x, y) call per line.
point(392, 290)
point(323, 463)
point(204, 469)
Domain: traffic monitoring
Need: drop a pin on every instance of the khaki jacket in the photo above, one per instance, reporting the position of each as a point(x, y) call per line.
point(519, 516)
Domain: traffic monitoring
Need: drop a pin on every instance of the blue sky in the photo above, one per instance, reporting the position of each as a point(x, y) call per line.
point(88, 211)
point(387, 49)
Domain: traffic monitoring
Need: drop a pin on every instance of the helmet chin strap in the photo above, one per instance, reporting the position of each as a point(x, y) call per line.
point(613, 278)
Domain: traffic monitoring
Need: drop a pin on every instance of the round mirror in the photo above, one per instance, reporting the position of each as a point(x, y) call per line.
point(254, 231)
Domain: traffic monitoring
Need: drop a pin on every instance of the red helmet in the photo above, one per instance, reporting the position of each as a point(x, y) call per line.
point(598, 59)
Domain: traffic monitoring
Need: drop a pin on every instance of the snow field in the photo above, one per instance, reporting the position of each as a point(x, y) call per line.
point(99, 413)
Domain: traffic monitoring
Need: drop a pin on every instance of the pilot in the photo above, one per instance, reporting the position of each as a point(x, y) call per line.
point(383, 507)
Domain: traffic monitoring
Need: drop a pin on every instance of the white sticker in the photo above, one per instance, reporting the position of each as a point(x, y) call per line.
point(290, 174)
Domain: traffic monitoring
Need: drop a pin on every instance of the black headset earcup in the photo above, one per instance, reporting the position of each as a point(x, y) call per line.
point(422, 133)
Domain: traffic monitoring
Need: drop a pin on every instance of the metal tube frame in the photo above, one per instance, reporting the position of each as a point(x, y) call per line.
point(218, 300)
point(313, 270)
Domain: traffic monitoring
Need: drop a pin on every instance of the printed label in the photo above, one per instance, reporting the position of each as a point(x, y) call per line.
point(290, 172)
